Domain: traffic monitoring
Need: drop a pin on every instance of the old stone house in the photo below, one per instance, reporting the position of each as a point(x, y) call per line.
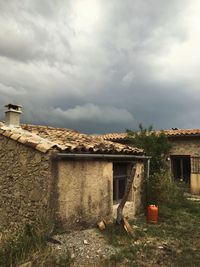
point(184, 157)
point(61, 174)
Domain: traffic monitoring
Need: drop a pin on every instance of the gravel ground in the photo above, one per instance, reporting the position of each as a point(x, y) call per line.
point(86, 247)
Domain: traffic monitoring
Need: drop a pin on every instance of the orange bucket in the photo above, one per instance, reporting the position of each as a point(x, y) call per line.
point(152, 214)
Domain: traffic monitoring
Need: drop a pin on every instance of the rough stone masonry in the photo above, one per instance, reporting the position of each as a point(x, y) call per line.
point(24, 185)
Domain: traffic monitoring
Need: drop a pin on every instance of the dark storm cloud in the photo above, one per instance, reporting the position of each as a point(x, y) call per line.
point(96, 65)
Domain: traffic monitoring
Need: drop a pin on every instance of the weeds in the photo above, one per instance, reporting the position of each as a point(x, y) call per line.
point(51, 260)
point(173, 242)
point(30, 240)
point(31, 244)
point(116, 235)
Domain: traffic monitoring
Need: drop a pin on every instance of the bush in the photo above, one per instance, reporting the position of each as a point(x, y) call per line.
point(162, 190)
point(159, 188)
point(155, 145)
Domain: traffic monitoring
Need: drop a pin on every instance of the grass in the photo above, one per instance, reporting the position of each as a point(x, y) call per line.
point(174, 241)
point(12, 252)
point(31, 245)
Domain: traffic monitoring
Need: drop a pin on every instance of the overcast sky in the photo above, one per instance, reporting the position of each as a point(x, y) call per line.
point(102, 66)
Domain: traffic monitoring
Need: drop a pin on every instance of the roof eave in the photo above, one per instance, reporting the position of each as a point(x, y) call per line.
point(183, 135)
point(100, 156)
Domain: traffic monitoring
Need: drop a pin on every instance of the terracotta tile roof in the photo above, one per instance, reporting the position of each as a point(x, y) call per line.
point(169, 133)
point(114, 136)
point(44, 138)
point(179, 132)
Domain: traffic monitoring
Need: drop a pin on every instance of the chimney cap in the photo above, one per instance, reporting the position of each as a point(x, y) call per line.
point(12, 115)
point(13, 106)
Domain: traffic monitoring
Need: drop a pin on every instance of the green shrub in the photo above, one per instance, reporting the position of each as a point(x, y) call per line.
point(155, 145)
point(161, 189)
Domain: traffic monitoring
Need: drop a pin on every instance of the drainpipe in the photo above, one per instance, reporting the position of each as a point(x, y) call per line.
point(148, 168)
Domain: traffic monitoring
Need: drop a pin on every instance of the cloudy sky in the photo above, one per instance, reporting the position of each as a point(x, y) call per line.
point(102, 66)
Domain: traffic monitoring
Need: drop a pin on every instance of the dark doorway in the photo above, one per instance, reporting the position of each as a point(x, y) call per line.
point(119, 180)
point(181, 168)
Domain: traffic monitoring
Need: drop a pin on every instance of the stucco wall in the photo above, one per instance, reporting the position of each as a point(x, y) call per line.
point(195, 183)
point(84, 190)
point(24, 185)
point(138, 188)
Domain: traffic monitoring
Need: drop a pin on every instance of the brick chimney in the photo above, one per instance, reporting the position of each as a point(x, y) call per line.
point(12, 115)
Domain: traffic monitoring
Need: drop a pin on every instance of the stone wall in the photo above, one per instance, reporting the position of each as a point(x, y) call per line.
point(185, 147)
point(24, 185)
point(84, 190)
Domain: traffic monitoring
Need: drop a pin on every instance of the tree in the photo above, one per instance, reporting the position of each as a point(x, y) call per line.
point(155, 145)
point(159, 188)
point(125, 196)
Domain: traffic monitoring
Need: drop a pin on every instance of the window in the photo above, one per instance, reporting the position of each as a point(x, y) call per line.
point(119, 180)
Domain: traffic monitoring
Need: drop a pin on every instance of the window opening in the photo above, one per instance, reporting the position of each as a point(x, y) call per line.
point(119, 180)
